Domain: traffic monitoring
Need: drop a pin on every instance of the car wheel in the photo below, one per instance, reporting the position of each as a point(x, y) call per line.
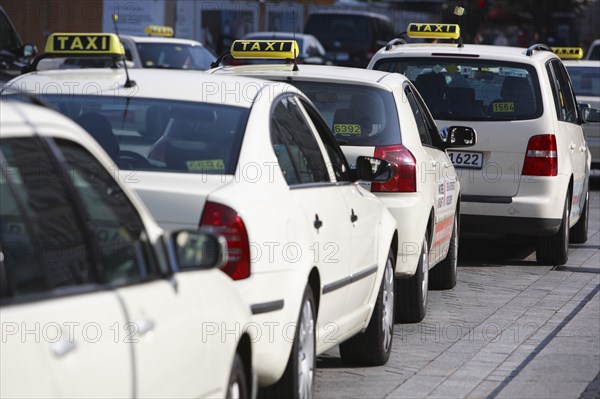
point(238, 387)
point(579, 232)
point(298, 378)
point(554, 249)
point(443, 275)
point(411, 294)
point(374, 346)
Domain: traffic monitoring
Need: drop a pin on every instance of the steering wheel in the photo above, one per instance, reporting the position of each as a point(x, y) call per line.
point(132, 160)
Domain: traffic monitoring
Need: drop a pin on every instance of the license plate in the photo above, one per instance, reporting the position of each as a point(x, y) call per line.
point(473, 160)
point(342, 56)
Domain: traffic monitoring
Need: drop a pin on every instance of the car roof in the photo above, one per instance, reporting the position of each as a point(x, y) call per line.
point(277, 35)
point(160, 39)
point(484, 51)
point(351, 12)
point(326, 73)
point(583, 63)
point(183, 85)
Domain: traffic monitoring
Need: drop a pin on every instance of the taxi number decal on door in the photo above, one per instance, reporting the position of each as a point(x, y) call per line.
point(346, 128)
point(205, 165)
point(503, 107)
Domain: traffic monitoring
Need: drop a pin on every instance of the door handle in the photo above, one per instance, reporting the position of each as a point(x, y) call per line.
point(572, 146)
point(353, 217)
point(144, 326)
point(317, 223)
point(62, 347)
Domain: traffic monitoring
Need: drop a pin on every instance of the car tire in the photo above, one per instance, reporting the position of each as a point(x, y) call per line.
point(554, 249)
point(374, 346)
point(238, 386)
point(411, 293)
point(298, 378)
point(579, 232)
point(443, 275)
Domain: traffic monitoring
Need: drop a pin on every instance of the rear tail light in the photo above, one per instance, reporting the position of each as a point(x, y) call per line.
point(225, 221)
point(404, 169)
point(541, 158)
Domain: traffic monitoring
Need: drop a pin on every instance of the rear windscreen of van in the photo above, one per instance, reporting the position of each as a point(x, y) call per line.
point(472, 89)
point(331, 27)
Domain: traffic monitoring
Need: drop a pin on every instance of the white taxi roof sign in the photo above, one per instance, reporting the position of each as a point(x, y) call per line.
point(568, 53)
point(84, 43)
point(158, 30)
point(433, 31)
point(260, 49)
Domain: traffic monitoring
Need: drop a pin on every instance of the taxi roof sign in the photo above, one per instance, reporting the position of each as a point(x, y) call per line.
point(568, 53)
point(433, 31)
point(261, 49)
point(84, 43)
point(158, 30)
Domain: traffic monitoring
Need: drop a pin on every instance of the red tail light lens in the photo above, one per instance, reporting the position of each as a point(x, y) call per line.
point(404, 169)
point(225, 221)
point(541, 158)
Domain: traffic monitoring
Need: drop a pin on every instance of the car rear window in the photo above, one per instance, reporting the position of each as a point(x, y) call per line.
point(472, 89)
point(586, 81)
point(160, 135)
point(174, 56)
point(357, 115)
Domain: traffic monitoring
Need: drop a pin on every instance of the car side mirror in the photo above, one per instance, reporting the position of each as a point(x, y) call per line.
point(590, 115)
point(459, 136)
point(29, 50)
point(373, 169)
point(197, 250)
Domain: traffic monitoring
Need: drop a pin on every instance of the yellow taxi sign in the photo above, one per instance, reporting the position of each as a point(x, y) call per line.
point(158, 30)
point(568, 53)
point(274, 49)
point(433, 31)
point(84, 43)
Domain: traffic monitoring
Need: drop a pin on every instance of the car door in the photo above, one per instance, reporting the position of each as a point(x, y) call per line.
point(570, 133)
point(301, 158)
point(362, 219)
point(168, 321)
point(437, 177)
point(58, 323)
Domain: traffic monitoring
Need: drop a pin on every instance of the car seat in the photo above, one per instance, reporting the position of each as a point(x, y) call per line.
point(101, 130)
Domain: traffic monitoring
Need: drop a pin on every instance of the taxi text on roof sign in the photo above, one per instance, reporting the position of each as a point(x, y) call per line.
point(157, 30)
point(433, 31)
point(279, 49)
point(84, 43)
point(566, 53)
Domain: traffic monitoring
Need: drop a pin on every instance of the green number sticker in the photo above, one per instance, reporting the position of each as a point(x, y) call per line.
point(346, 128)
point(503, 107)
point(208, 165)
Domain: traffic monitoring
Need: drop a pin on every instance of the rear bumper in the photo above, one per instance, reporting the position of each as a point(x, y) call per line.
point(509, 225)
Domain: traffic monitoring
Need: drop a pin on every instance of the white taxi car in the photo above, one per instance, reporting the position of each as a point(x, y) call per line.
point(528, 172)
point(381, 114)
point(95, 300)
point(585, 77)
point(311, 251)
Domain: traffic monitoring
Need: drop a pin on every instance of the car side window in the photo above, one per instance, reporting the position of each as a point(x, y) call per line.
point(420, 117)
point(114, 222)
point(562, 91)
point(336, 156)
point(295, 146)
point(44, 242)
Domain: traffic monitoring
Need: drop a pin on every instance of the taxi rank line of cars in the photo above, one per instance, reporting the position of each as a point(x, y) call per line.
point(528, 172)
point(585, 78)
point(96, 300)
point(381, 114)
point(311, 252)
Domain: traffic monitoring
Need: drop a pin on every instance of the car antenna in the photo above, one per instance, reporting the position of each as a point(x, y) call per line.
point(295, 68)
point(128, 82)
point(459, 11)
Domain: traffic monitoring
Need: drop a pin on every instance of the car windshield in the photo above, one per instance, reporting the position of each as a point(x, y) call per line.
point(175, 56)
point(160, 135)
point(332, 27)
point(586, 81)
point(472, 89)
point(358, 115)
